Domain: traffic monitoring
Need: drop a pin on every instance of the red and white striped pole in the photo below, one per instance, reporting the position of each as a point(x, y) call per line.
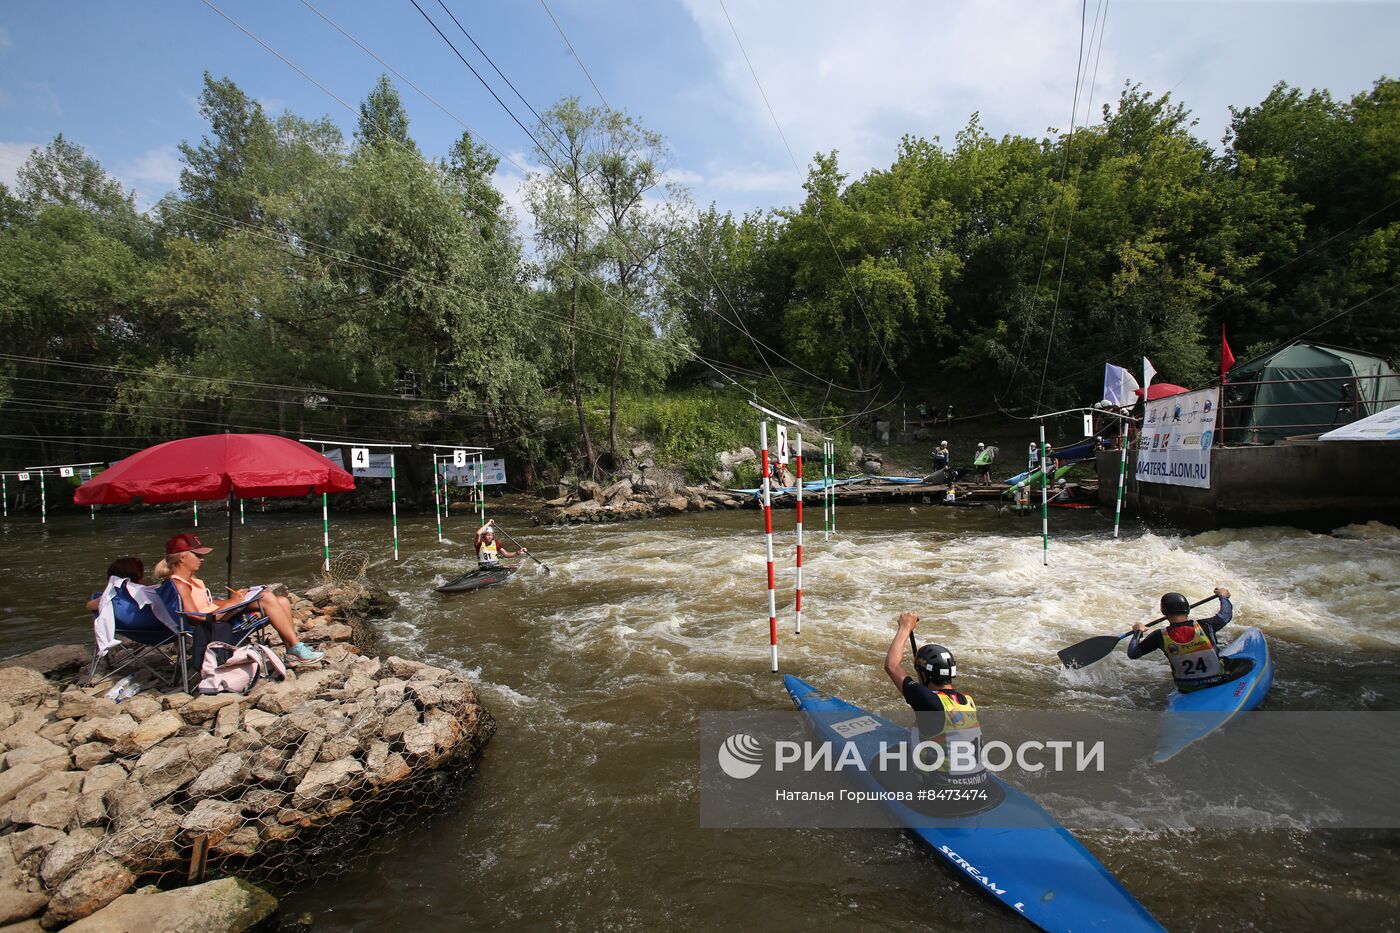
point(799, 534)
point(768, 540)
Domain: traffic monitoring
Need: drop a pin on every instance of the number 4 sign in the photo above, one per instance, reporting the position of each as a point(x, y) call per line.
point(782, 444)
point(359, 458)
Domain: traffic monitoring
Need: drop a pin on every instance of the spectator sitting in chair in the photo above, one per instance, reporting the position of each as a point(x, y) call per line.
point(184, 554)
point(128, 568)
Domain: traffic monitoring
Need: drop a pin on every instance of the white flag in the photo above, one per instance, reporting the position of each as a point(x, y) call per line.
point(1148, 371)
point(1119, 386)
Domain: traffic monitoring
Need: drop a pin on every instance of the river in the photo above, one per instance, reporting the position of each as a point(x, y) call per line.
point(584, 814)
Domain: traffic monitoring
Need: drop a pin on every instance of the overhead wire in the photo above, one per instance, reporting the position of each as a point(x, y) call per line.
point(855, 293)
point(578, 58)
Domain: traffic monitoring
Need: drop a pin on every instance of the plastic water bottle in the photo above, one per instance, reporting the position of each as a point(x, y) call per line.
point(130, 690)
point(118, 691)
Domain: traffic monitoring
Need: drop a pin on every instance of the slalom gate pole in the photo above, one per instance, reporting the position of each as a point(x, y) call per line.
point(833, 487)
point(92, 509)
point(1122, 474)
point(240, 510)
point(481, 486)
point(1044, 499)
point(44, 502)
point(326, 524)
point(826, 496)
point(5, 495)
point(768, 543)
point(437, 500)
point(196, 514)
point(394, 503)
point(446, 492)
point(799, 534)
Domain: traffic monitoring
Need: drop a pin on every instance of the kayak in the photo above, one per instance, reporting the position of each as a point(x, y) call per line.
point(1022, 479)
point(1013, 850)
point(478, 578)
point(963, 503)
point(1204, 711)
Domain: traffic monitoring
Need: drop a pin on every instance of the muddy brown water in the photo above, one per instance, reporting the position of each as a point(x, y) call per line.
point(585, 815)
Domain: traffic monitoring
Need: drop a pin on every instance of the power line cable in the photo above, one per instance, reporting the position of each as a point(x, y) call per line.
point(578, 58)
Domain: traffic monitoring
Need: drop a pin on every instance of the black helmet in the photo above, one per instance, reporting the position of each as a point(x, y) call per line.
point(1173, 603)
point(935, 664)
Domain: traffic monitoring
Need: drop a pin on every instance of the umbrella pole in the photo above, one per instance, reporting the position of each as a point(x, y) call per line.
point(230, 537)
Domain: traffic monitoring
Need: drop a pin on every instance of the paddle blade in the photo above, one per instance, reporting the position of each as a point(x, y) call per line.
point(1088, 651)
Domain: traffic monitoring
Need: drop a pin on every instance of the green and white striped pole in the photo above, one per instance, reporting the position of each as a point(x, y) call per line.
point(1122, 474)
point(394, 503)
point(43, 501)
point(437, 498)
point(481, 486)
point(5, 495)
point(1044, 499)
point(326, 524)
point(833, 487)
point(826, 491)
point(196, 513)
point(240, 510)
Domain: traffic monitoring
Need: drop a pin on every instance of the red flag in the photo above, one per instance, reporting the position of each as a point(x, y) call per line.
point(1227, 359)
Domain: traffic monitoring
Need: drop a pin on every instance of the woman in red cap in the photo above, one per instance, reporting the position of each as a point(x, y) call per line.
point(184, 554)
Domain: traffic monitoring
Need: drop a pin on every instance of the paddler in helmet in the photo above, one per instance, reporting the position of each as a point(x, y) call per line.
point(944, 715)
point(1189, 646)
point(488, 551)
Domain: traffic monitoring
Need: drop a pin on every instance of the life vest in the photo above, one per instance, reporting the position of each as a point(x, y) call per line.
point(486, 555)
point(951, 495)
point(1194, 662)
point(959, 725)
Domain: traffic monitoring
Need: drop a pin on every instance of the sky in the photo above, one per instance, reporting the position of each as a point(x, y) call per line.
point(123, 79)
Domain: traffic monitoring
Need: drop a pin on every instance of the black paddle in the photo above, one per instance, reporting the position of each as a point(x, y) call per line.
point(1101, 646)
point(493, 524)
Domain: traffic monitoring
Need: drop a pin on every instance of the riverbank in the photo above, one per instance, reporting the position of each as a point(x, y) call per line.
point(97, 798)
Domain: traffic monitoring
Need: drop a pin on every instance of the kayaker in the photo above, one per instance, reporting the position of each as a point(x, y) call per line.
point(952, 494)
point(488, 552)
point(941, 457)
point(944, 715)
point(1189, 646)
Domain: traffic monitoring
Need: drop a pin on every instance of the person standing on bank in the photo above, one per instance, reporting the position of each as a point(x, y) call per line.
point(945, 716)
point(1189, 646)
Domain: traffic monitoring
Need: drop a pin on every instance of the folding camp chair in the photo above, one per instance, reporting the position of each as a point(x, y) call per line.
point(143, 637)
point(204, 627)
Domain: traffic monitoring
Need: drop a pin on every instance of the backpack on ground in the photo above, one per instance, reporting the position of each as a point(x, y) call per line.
point(227, 669)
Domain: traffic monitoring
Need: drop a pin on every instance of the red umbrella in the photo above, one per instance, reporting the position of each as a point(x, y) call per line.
point(216, 466)
point(1162, 390)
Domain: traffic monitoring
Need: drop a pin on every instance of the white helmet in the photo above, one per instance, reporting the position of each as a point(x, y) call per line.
point(942, 443)
point(980, 445)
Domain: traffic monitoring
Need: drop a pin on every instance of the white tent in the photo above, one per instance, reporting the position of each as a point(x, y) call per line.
point(1382, 426)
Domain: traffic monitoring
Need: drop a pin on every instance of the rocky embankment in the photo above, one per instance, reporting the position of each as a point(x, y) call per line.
point(97, 797)
point(632, 497)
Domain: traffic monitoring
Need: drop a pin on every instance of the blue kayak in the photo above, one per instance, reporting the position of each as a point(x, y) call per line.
point(1014, 850)
point(1205, 711)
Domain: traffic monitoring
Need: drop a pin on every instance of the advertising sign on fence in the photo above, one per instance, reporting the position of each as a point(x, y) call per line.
point(1178, 433)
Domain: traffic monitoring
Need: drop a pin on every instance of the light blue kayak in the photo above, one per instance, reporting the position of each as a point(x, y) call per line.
point(1205, 711)
point(1014, 851)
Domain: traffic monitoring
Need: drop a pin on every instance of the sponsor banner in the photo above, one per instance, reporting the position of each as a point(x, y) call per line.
point(1178, 433)
point(493, 473)
point(1383, 426)
point(377, 468)
point(1088, 770)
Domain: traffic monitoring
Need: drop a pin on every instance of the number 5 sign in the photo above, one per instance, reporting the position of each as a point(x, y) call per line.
point(359, 458)
point(459, 458)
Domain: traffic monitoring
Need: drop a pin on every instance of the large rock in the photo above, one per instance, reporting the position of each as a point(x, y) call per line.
point(162, 771)
point(110, 730)
point(91, 754)
point(54, 659)
point(729, 459)
point(325, 780)
point(67, 854)
point(17, 905)
point(205, 707)
point(152, 732)
point(229, 905)
point(58, 810)
point(228, 772)
point(619, 491)
point(142, 707)
point(148, 844)
point(23, 685)
point(214, 819)
point(76, 704)
point(17, 779)
point(87, 890)
point(587, 489)
point(291, 693)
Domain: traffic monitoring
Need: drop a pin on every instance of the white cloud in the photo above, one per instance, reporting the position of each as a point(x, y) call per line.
point(152, 174)
point(12, 156)
point(43, 97)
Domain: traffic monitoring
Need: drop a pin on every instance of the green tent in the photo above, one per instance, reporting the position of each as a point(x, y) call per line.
point(1304, 388)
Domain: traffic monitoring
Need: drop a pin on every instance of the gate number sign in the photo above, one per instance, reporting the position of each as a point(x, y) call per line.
point(24, 477)
point(459, 458)
point(1088, 425)
point(782, 444)
point(359, 458)
point(65, 471)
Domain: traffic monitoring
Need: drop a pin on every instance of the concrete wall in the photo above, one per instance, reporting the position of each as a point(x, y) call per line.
point(1312, 484)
